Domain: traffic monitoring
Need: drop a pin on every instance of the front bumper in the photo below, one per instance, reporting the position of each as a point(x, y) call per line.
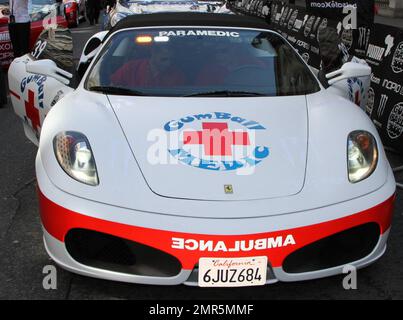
point(188, 247)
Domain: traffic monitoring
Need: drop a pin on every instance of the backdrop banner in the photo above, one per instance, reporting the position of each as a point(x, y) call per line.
point(333, 9)
point(380, 45)
point(385, 97)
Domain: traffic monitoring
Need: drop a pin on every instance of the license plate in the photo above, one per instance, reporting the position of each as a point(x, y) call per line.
point(232, 272)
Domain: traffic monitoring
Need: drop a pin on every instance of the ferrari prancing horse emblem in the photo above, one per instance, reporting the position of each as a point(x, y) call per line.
point(228, 189)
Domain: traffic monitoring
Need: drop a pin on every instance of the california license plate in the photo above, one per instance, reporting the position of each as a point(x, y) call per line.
point(232, 272)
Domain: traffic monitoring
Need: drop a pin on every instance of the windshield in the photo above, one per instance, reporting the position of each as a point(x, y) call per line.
point(199, 61)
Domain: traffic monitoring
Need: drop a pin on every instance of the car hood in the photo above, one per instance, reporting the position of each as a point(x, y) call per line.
point(217, 148)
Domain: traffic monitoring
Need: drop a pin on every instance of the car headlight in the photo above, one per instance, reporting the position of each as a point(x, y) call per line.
point(362, 155)
point(74, 154)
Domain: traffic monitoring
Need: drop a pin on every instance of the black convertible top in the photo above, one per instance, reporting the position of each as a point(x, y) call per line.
point(189, 19)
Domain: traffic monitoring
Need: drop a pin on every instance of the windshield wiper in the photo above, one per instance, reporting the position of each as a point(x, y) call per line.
point(226, 93)
point(117, 91)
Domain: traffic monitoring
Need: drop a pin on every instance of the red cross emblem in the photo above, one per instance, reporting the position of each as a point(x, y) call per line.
point(216, 138)
point(32, 112)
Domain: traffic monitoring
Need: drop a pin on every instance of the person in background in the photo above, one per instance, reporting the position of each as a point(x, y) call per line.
point(3, 88)
point(109, 4)
point(93, 10)
point(366, 10)
point(158, 70)
point(331, 53)
point(19, 26)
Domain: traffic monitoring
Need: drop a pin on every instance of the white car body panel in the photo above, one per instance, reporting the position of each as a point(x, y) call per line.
point(46, 92)
point(287, 145)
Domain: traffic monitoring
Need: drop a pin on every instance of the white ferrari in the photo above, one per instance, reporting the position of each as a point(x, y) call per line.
point(201, 149)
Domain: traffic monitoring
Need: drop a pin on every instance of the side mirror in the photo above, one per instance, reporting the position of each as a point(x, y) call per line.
point(348, 70)
point(49, 68)
point(90, 50)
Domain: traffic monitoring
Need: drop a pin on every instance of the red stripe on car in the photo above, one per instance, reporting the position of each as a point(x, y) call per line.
point(275, 245)
point(15, 94)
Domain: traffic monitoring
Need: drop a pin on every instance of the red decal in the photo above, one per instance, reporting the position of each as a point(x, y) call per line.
point(276, 245)
point(15, 94)
point(216, 138)
point(31, 111)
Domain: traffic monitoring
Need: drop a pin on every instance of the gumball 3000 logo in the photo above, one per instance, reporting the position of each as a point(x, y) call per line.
point(217, 141)
point(397, 60)
point(395, 121)
point(356, 90)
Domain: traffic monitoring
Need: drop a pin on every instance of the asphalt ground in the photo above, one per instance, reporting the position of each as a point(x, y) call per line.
point(23, 257)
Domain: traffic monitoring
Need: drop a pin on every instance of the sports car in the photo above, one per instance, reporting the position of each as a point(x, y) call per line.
point(124, 8)
point(41, 13)
point(74, 11)
point(164, 167)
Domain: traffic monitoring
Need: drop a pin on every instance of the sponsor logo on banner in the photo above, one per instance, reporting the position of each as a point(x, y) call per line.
point(305, 20)
point(6, 46)
point(392, 86)
point(292, 39)
point(303, 44)
point(292, 20)
point(347, 38)
point(298, 25)
point(382, 105)
point(378, 53)
point(395, 121)
point(308, 26)
point(265, 11)
point(306, 57)
point(283, 16)
point(375, 79)
point(4, 36)
point(363, 39)
point(315, 27)
point(274, 14)
point(370, 101)
point(397, 60)
point(287, 18)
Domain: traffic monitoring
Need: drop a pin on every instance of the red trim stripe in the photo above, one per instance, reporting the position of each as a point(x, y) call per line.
point(58, 221)
point(15, 94)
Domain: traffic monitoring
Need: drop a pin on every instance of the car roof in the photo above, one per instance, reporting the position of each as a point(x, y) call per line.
point(189, 19)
